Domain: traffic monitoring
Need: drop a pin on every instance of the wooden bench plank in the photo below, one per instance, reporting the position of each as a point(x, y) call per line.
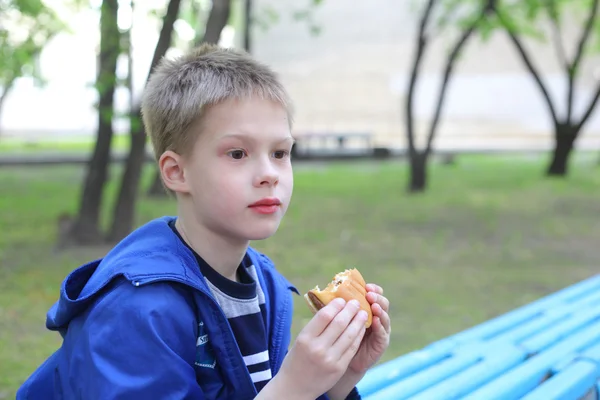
point(593, 354)
point(501, 360)
point(572, 383)
point(533, 327)
point(508, 357)
point(501, 323)
point(387, 373)
point(562, 330)
point(426, 378)
point(527, 376)
point(548, 319)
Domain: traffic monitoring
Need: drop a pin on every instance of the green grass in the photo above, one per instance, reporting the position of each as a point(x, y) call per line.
point(85, 144)
point(491, 234)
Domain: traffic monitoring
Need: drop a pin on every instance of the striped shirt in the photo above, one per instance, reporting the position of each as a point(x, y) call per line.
point(243, 303)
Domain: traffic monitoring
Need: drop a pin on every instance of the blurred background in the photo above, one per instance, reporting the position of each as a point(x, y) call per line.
point(449, 149)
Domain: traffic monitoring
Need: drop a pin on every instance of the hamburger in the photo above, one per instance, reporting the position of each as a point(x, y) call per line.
point(348, 285)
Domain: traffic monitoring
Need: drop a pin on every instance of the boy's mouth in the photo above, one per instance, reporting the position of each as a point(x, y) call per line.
point(267, 201)
point(268, 205)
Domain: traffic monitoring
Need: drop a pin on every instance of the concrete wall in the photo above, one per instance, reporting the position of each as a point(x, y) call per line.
point(354, 75)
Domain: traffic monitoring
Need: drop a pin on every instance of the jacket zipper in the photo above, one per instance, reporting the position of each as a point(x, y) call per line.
point(278, 336)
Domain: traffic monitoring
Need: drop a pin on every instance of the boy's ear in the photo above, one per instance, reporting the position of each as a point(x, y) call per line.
point(171, 169)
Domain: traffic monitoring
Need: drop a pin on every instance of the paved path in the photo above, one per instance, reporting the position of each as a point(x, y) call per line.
point(81, 158)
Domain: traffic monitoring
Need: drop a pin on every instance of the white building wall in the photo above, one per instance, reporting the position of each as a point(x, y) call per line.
point(351, 77)
point(354, 76)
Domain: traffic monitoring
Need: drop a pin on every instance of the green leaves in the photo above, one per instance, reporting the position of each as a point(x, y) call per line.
point(27, 25)
point(522, 17)
point(265, 17)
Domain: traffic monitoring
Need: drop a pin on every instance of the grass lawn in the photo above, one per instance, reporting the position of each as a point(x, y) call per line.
point(83, 144)
point(491, 234)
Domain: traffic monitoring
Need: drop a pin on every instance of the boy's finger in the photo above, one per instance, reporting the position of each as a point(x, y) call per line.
point(339, 323)
point(384, 318)
point(379, 299)
point(324, 316)
point(353, 347)
point(371, 287)
point(376, 309)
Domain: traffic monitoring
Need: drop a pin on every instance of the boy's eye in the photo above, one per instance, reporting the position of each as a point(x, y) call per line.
point(281, 154)
point(237, 154)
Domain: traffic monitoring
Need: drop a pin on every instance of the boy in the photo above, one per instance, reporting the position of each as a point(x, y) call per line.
point(183, 308)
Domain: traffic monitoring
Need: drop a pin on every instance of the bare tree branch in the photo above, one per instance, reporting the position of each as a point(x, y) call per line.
point(590, 108)
point(532, 70)
point(165, 35)
point(585, 35)
point(557, 34)
point(7, 88)
point(562, 54)
point(451, 61)
point(420, 50)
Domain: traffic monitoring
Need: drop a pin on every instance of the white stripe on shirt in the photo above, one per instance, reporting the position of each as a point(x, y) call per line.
point(261, 376)
point(257, 358)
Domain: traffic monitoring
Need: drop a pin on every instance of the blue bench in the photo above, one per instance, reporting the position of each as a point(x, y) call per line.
point(548, 349)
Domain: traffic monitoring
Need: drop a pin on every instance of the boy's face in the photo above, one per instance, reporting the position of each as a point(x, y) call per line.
point(238, 174)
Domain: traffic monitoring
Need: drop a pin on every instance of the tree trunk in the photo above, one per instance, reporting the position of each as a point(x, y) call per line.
point(157, 189)
point(9, 84)
point(124, 212)
point(248, 26)
point(450, 63)
point(418, 172)
point(216, 21)
point(85, 229)
point(565, 136)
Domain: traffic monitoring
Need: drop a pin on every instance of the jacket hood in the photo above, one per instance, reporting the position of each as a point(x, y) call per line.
point(151, 252)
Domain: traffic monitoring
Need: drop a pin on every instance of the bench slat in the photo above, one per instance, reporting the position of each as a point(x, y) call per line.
point(548, 349)
point(504, 358)
point(392, 371)
point(550, 336)
point(570, 384)
point(425, 378)
point(524, 378)
point(501, 323)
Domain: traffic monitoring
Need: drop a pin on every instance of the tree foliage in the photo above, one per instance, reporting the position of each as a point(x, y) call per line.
point(26, 26)
point(545, 21)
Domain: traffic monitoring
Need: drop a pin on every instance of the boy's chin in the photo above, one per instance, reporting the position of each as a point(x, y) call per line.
point(263, 232)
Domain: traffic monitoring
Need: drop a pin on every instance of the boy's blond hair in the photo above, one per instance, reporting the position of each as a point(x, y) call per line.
point(180, 90)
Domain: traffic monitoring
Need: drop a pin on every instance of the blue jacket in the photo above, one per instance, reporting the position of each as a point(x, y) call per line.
point(141, 323)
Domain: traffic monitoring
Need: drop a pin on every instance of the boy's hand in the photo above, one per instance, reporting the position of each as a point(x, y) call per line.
point(377, 337)
point(323, 350)
point(374, 344)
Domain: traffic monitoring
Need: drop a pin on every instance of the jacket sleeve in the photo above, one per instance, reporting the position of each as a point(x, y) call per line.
point(136, 343)
point(353, 395)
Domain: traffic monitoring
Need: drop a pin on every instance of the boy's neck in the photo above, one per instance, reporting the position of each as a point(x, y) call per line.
point(223, 255)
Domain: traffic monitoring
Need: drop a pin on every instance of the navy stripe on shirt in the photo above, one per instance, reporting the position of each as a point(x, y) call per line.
point(243, 303)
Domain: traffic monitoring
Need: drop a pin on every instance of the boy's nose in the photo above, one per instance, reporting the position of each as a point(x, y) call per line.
point(267, 177)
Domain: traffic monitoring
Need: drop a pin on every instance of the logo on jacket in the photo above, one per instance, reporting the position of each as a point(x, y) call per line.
point(205, 356)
